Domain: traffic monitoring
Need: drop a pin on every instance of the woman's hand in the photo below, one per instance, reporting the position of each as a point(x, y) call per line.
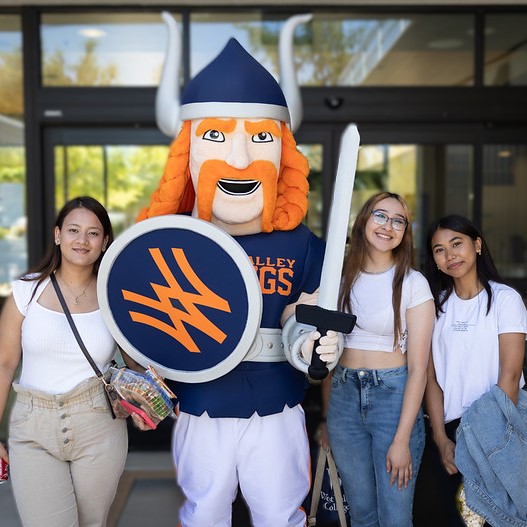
point(446, 452)
point(399, 464)
point(139, 422)
point(3, 453)
point(321, 435)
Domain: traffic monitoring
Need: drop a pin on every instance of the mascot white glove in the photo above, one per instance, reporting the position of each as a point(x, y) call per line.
point(299, 339)
point(327, 346)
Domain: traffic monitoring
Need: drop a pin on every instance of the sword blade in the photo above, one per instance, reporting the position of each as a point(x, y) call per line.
point(339, 219)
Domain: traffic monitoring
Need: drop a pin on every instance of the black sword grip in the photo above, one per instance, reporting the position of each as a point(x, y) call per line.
point(324, 320)
point(317, 370)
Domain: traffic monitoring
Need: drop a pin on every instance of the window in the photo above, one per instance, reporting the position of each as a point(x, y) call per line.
point(210, 32)
point(13, 238)
point(314, 154)
point(102, 49)
point(505, 50)
point(434, 179)
point(121, 177)
point(342, 49)
point(504, 211)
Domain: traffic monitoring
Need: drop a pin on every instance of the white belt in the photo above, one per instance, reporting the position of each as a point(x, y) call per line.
point(267, 347)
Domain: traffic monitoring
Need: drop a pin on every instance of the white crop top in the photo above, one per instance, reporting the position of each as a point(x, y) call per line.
point(371, 302)
point(52, 360)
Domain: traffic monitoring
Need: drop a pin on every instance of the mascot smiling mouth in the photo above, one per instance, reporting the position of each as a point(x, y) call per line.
point(236, 187)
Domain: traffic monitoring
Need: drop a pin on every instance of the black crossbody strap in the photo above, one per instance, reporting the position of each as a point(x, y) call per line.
point(74, 327)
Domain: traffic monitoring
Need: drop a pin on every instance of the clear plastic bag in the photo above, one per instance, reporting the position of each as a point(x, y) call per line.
point(143, 393)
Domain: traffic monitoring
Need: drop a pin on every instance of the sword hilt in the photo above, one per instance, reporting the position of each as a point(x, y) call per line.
point(324, 320)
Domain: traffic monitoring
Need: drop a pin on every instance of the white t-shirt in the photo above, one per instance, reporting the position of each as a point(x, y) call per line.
point(371, 302)
point(465, 344)
point(52, 360)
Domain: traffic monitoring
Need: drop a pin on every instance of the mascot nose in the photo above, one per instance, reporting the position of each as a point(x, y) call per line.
point(238, 156)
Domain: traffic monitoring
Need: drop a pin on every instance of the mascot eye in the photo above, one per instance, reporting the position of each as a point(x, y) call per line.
point(214, 135)
point(263, 137)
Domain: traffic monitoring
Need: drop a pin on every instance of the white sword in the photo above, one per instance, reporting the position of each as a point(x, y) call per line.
point(339, 219)
point(324, 315)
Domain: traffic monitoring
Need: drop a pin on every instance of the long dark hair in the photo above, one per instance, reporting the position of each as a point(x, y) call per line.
point(403, 256)
point(441, 284)
point(53, 259)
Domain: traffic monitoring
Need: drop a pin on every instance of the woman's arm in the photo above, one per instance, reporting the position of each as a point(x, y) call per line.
point(420, 324)
point(512, 351)
point(10, 353)
point(435, 409)
point(322, 433)
point(131, 363)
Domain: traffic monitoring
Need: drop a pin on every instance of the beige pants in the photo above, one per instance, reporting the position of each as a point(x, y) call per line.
point(66, 456)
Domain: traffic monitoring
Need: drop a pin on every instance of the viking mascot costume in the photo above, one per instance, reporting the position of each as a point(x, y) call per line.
point(235, 165)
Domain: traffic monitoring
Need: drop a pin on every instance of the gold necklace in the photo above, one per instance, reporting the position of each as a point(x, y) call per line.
point(83, 294)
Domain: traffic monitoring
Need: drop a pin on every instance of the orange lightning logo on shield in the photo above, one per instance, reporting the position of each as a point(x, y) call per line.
point(190, 313)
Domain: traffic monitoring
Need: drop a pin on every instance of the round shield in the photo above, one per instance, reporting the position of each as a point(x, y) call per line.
point(182, 295)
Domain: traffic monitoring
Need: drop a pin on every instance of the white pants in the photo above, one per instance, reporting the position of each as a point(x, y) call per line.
point(267, 456)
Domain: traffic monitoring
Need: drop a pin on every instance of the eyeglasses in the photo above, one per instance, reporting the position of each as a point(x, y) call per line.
point(398, 224)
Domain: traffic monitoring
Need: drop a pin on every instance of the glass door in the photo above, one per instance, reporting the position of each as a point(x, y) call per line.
point(438, 170)
point(434, 177)
point(119, 167)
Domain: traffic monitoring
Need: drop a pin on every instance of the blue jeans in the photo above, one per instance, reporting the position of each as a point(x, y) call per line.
point(364, 411)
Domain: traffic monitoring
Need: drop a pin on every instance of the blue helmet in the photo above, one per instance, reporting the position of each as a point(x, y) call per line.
point(236, 85)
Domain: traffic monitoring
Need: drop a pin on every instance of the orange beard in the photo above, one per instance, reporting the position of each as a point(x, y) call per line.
point(214, 169)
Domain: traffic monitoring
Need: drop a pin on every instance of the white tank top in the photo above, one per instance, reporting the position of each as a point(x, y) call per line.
point(52, 360)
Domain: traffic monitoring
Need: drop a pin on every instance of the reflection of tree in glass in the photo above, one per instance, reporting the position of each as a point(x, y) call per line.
point(371, 179)
point(122, 177)
point(313, 152)
point(12, 165)
point(133, 176)
point(323, 48)
point(86, 72)
point(11, 85)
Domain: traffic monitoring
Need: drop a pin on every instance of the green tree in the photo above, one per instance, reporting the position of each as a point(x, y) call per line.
point(322, 48)
point(11, 85)
point(12, 164)
point(121, 177)
point(54, 69)
point(87, 72)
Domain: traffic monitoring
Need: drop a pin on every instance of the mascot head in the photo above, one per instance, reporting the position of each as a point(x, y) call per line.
point(235, 161)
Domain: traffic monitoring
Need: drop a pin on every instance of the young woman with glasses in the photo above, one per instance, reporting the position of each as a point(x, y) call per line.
point(478, 339)
point(374, 417)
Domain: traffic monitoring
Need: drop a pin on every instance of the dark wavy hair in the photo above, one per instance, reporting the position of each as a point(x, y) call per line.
point(441, 284)
point(53, 259)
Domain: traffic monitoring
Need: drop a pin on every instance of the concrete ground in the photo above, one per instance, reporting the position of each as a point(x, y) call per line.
point(147, 494)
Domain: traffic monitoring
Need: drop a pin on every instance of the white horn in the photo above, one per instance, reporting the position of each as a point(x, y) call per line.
point(288, 81)
point(167, 96)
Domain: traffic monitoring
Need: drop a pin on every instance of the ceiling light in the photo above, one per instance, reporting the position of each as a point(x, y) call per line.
point(92, 32)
